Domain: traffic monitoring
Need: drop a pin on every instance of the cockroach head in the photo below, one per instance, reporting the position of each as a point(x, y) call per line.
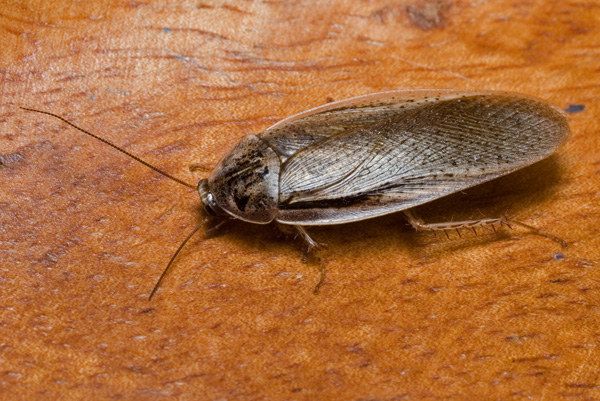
point(208, 200)
point(245, 184)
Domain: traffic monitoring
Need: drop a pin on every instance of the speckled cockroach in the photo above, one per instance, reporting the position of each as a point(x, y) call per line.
point(376, 154)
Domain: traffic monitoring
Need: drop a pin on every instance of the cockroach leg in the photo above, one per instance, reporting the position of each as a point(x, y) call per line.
point(490, 228)
point(321, 280)
point(214, 230)
point(488, 224)
point(312, 246)
point(416, 223)
point(200, 167)
point(420, 225)
point(542, 233)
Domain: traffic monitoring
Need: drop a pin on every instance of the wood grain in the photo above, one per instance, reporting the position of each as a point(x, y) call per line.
point(85, 232)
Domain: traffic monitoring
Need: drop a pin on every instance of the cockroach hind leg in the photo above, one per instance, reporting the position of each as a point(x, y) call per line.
point(542, 233)
point(487, 223)
point(419, 225)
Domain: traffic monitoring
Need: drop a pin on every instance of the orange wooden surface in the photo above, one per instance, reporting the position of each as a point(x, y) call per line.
point(85, 232)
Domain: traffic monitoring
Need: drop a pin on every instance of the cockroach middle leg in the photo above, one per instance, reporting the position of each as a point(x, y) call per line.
point(311, 247)
point(295, 230)
point(321, 279)
point(311, 244)
point(488, 224)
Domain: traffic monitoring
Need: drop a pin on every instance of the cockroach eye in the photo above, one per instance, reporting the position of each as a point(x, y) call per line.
point(208, 200)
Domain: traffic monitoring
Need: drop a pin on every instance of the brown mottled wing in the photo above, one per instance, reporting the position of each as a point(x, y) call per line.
point(412, 155)
point(302, 130)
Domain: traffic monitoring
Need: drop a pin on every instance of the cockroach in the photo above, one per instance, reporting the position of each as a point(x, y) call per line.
point(372, 155)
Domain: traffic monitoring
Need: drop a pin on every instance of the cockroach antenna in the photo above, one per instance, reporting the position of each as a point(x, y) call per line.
point(162, 276)
point(164, 273)
point(111, 145)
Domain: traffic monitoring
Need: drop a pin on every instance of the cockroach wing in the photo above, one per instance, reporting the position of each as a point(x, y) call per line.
point(387, 155)
point(302, 130)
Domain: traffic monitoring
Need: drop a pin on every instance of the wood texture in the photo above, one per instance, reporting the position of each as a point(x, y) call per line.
point(85, 232)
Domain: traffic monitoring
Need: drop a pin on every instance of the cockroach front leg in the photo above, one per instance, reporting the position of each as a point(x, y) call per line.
point(217, 227)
